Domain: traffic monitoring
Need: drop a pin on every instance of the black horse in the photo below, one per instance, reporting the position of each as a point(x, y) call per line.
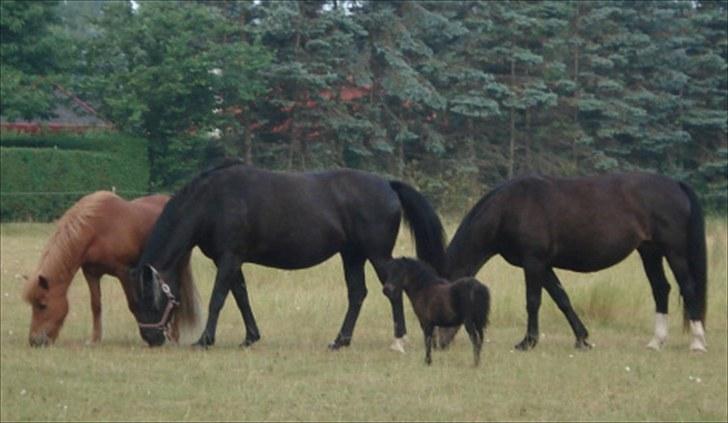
point(236, 213)
point(588, 224)
point(437, 302)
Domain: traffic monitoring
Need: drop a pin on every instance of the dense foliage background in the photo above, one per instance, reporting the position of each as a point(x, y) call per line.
point(453, 96)
point(48, 173)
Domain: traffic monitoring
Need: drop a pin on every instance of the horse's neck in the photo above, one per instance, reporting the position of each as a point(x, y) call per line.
point(171, 240)
point(471, 247)
point(60, 263)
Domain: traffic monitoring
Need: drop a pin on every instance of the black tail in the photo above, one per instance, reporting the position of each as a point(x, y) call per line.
point(425, 225)
point(481, 305)
point(697, 256)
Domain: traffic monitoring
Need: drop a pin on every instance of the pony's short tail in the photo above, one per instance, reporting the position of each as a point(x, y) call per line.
point(425, 224)
point(697, 256)
point(481, 305)
point(189, 312)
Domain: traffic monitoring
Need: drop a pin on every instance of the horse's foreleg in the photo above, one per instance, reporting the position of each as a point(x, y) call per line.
point(240, 293)
point(94, 288)
point(557, 293)
point(357, 291)
point(225, 272)
point(428, 329)
point(534, 276)
point(652, 263)
point(400, 327)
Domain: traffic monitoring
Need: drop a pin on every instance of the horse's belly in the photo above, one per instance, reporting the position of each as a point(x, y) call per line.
point(293, 256)
point(589, 262)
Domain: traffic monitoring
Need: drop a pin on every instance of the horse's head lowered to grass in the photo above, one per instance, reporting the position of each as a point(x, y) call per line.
point(50, 307)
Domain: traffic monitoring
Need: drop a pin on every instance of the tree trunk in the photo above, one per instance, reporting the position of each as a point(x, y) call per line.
point(527, 139)
point(248, 144)
point(574, 150)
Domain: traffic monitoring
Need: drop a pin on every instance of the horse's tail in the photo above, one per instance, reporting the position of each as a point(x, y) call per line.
point(425, 225)
point(481, 304)
point(697, 255)
point(189, 312)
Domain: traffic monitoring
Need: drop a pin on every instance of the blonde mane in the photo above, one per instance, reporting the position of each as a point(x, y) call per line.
point(63, 252)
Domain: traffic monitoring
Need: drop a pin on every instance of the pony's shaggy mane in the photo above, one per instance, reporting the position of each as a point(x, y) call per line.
point(62, 253)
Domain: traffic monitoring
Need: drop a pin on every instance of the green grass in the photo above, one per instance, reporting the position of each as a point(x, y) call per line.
point(290, 375)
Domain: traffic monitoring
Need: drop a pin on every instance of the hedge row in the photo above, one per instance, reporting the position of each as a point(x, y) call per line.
point(43, 175)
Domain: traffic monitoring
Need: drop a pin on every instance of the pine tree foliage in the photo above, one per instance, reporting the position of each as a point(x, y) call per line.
point(454, 96)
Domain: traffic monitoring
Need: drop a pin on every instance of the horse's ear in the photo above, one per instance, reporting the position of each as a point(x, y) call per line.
point(43, 282)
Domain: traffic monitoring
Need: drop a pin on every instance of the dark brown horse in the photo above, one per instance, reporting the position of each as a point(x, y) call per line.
point(437, 302)
point(587, 224)
point(101, 234)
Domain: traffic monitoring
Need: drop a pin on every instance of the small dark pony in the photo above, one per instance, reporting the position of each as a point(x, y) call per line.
point(102, 234)
point(237, 214)
point(437, 302)
point(587, 224)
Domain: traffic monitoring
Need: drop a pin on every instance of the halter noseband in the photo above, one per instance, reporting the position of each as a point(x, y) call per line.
point(172, 302)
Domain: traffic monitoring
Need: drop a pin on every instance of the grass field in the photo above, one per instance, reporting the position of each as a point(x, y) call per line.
point(290, 374)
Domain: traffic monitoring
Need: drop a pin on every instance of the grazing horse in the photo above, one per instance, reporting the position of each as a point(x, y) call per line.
point(101, 234)
point(584, 225)
point(236, 213)
point(437, 302)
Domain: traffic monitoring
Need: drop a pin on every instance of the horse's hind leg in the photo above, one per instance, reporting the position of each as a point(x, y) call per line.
point(240, 292)
point(95, 292)
point(652, 262)
point(357, 291)
point(681, 270)
point(476, 338)
point(557, 293)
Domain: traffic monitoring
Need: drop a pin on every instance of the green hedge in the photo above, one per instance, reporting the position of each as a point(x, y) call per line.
point(43, 175)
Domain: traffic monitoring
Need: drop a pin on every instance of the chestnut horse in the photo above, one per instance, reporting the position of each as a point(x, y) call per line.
point(101, 234)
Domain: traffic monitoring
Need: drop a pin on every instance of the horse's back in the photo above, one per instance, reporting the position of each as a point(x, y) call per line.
point(120, 229)
point(294, 220)
point(589, 223)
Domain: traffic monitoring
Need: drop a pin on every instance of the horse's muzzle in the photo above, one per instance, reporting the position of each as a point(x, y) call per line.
point(153, 337)
point(40, 340)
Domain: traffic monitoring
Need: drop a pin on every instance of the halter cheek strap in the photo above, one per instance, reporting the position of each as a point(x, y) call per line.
point(165, 321)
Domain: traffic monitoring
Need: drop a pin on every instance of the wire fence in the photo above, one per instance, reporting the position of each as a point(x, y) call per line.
point(68, 193)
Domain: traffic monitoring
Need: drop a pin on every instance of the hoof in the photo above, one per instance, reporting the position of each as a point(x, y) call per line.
point(338, 344)
point(698, 347)
point(655, 344)
point(581, 344)
point(204, 342)
point(529, 342)
point(398, 344)
point(249, 340)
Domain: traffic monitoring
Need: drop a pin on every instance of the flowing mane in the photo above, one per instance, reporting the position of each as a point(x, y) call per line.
point(63, 252)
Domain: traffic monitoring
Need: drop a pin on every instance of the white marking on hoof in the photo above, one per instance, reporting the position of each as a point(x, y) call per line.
point(655, 344)
point(698, 344)
point(398, 344)
point(660, 332)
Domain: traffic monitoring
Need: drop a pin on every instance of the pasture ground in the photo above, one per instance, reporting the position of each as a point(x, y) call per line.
point(290, 374)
